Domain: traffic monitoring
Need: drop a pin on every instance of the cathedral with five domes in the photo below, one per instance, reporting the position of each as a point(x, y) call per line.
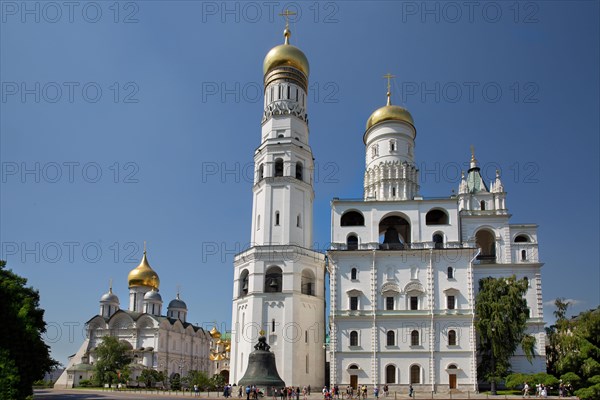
point(166, 343)
point(402, 270)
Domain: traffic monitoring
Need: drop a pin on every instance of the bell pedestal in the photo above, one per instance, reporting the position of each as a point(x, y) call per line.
point(262, 371)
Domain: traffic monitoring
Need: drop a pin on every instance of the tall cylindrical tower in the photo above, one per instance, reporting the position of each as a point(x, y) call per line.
point(279, 282)
point(390, 172)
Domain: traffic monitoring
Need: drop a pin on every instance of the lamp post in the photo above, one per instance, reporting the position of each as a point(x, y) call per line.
point(493, 382)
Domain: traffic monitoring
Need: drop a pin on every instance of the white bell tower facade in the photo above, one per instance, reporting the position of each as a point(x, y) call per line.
point(279, 287)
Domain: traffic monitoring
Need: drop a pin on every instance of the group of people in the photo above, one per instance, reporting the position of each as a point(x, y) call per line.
point(252, 392)
point(542, 390)
point(290, 392)
point(360, 392)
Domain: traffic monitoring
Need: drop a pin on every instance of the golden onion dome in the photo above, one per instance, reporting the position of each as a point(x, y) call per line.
point(215, 333)
point(286, 55)
point(390, 113)
point(143, 275)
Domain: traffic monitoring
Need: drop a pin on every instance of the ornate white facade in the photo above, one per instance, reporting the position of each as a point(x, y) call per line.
point(279, 282)
point(165, 343)
point(404, 270)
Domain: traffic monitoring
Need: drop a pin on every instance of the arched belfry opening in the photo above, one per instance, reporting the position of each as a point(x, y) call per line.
point(273, 280)
point(278, 168)
point(486, 241)
point(394, 233)
point(352, 218)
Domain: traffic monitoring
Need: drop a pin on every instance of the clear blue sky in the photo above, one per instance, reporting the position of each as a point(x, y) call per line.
point(138, 121)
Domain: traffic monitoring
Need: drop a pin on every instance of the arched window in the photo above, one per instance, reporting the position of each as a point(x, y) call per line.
point(482, 205)
point(299, 170)
point(436, 217)
point(273, 280)
point(278, 167)
point(521, 239)
point(486, 241)
point(353, 338)
point(394, 233)
point(261, 171)
point(523, 255)
point(451, 337)
point(450, 273)
point(307, 285)
point(391, 338)
point(438, 241)
point(353, 273)
point(415, 374)
point(414, 338)
point(390, 374)
point(352, 218)
point(276, 217)
point(352, 242)
point(244, 283)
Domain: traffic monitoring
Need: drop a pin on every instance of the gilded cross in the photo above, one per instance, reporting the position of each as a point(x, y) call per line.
point(389, 77)
point(286, 14)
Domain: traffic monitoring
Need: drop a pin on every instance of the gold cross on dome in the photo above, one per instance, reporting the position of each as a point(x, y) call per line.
point(286, 14)
point(389, 77)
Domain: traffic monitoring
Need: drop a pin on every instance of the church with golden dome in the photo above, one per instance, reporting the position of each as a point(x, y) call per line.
point(164, 342)
point(402, 270)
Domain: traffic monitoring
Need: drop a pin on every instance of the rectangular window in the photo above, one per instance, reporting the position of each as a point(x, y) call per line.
point(389, 303)
point(354, 303)
point(307, 363)
point(451, 302)
point(414, 303)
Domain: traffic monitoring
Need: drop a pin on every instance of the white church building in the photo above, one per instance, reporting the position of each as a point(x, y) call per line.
point(403, 270)
point(166, 343)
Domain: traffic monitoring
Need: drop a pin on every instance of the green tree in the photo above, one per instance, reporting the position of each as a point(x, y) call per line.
point(574, 349)
point(112, 358)
point(555, 350)
point(150, 377)
point(175, 382)
point(24, 357)
point(198, 378)
point(501, 320)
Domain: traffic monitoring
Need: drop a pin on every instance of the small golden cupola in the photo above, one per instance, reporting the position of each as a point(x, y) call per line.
point(389, 112)
point(214, 332)
point(143, 275)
